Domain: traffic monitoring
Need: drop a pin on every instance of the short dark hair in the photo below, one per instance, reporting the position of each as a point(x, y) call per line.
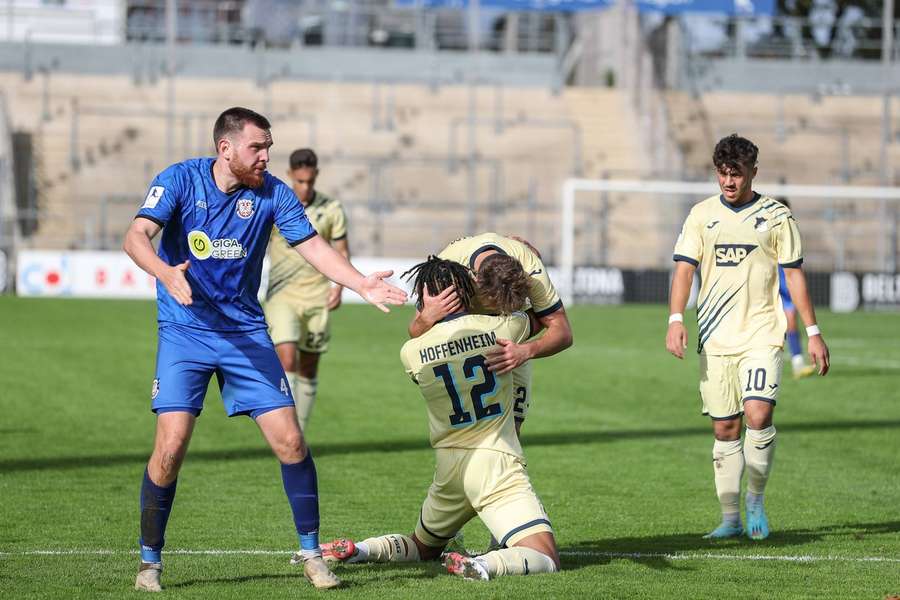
point(304, 157)
point(502, 283)
point(734, 152)
point(437, 274)
point(233, 121)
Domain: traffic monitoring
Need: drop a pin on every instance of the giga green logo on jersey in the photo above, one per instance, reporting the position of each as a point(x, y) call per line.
point(223, 248)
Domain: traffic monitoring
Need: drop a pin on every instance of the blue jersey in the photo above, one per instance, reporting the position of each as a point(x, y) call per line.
point(225, 238)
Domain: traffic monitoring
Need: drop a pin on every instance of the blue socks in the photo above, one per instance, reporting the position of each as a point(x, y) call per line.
point(793, 340)
point(156, 504)
point(302, 488)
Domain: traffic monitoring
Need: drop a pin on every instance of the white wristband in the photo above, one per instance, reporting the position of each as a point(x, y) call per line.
point(813, 330)
point(676, 317)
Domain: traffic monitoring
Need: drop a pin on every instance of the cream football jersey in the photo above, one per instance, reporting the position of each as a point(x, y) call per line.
point(468, 406)
point(541, 293)
point(737, 252)
point(289, 270)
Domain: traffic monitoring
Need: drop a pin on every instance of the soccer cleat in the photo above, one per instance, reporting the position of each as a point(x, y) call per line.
point(466, 567)
point(725, 531)
point(148, 577)
point(338, 551)
point(318, 574)
point(804, 371)
point(757, 522)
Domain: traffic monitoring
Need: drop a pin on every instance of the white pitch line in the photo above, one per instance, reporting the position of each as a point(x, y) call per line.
point(805, 558)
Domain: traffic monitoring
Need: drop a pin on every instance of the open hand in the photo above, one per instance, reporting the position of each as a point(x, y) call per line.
point(435, 308)
point(176, 283)
point(375, 290)
point(507, 357)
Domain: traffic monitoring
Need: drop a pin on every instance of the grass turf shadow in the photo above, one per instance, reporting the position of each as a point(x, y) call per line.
point(654, 551)
point(560, 438)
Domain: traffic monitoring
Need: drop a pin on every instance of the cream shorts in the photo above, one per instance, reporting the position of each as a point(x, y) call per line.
point(491, 484)
point(727, 381)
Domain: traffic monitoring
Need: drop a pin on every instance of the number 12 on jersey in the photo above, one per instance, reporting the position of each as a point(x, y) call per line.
point(478, 394)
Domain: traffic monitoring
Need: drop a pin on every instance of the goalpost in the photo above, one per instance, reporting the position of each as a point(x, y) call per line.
point(886, 197)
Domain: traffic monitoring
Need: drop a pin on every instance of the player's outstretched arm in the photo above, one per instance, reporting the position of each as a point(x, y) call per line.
point(330, 263)
point(509, 355)
point(676, 335)
point(818, 350)
point(334, 294)
point(139, 247)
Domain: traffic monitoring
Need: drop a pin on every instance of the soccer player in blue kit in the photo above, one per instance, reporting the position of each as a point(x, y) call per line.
point(216, 215)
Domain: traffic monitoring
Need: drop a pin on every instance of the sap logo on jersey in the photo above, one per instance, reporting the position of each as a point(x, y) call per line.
point(224, 248)
point(731, 255)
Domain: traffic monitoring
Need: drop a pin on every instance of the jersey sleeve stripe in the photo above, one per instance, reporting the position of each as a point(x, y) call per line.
point(149, 218)
point(340, 237)
point(549, 310)
point(792, 265)
point(687, 259)
point(300, 241)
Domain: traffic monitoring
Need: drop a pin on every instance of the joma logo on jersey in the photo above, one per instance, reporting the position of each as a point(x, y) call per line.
point(731, 255)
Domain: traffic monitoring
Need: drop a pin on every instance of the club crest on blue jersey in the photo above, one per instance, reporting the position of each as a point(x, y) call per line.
point(731, 255)
point(245, 208)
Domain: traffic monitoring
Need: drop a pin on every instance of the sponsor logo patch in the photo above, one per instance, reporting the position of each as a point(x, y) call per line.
point(245, 208)
point(731, 255)
point(154, 391)
point(154, 196)
point(223, 248)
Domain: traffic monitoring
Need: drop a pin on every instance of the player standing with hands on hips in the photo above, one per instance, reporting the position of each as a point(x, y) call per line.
point(215, 215)
point(738, 240)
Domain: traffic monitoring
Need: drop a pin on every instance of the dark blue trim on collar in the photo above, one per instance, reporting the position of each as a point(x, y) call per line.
point(453, 316)
point(742, 206)
point(687, 259)
point(481, 251)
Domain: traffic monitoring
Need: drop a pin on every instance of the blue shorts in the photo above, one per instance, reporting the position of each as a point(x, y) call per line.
point(247, 369)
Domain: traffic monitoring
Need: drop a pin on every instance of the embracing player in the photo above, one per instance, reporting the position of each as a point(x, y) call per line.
point(738, 240)
point(479, 461)
point(495, 260)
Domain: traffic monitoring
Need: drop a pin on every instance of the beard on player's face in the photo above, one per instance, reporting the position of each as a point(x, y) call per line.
point(248, 175)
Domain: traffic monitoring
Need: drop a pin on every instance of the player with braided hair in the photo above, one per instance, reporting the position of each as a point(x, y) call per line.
point(479, 462)
point(503, 265)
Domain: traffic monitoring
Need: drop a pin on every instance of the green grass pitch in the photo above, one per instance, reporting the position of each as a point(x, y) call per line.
point(615, 443)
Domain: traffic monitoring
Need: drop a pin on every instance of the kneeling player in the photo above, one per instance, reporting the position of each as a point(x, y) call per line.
point(480, 469)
